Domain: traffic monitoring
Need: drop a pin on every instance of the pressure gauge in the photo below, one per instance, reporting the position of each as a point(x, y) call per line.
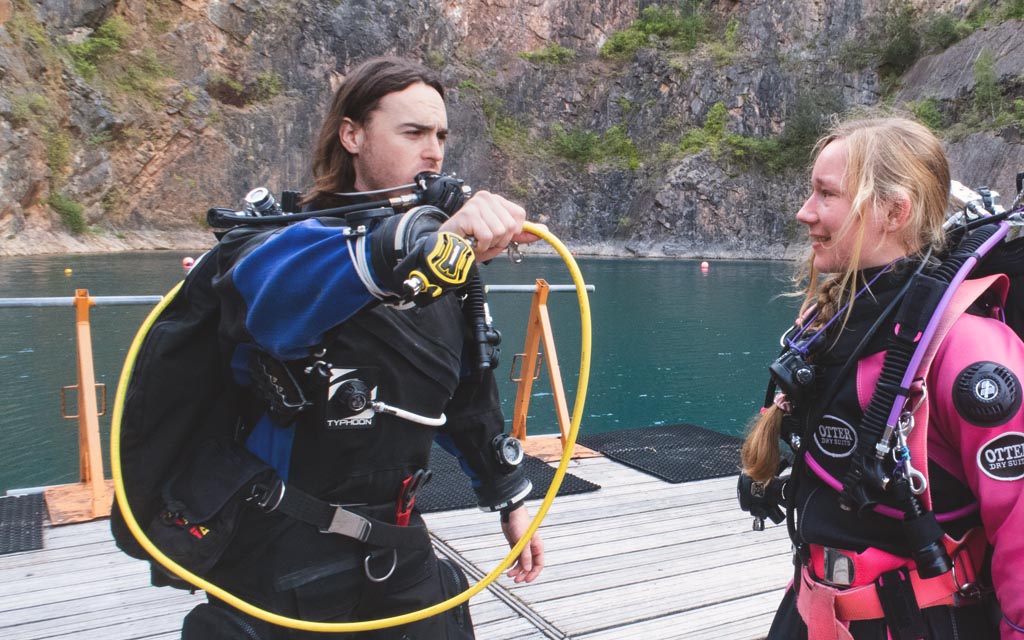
point(508, 450)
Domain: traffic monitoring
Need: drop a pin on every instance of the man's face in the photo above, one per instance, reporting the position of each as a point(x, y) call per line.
point(402, 137)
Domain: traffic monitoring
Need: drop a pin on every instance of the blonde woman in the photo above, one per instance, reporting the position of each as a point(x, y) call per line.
point(923, 541)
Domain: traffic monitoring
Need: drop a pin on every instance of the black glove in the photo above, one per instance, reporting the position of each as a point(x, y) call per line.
point(416, 261)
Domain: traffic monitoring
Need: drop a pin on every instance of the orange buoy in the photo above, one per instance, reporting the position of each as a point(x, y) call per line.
point(187, 262)
point(704, 266)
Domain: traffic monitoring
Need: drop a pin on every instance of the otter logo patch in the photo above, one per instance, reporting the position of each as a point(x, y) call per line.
point(987, 394)
point(835, 437)
point(1002, 457)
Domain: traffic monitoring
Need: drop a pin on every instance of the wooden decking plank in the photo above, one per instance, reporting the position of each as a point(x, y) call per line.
point(716, 621)
point(690, 546)
point(644, 517)
point(163, 615)
point(54, 554)
point(24, 581)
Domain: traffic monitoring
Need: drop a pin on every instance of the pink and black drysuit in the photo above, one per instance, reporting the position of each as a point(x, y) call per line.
point(857, 578)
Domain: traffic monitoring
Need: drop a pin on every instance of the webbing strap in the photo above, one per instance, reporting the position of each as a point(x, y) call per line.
point(351, 521)
point(953, 588)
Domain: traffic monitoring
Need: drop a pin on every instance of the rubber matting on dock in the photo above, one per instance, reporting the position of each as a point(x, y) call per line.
point(675, 453)
point(21, 522)
point(449, 487)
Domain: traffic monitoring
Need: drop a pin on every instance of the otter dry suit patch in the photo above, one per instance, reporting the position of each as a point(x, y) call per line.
point(1002, 457)
point(987, 394)
point(835, 437)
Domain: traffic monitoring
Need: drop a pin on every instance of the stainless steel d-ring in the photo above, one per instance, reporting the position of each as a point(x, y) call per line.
point(373, 578)
point(968, 590)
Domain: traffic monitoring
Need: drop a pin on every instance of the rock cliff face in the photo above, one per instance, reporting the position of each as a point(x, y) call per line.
point(122, 121)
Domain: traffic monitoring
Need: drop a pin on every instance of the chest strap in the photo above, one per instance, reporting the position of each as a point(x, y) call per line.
point(361, 522)
point(827, 610)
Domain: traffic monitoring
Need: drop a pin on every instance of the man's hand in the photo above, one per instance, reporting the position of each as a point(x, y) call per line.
point(531, 560)
point(492, 221)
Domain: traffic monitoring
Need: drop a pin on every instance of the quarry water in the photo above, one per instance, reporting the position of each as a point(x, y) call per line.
point(672, 343)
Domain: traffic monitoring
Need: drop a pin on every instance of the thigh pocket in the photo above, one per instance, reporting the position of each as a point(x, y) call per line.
point(458, 623)
point(333, 597)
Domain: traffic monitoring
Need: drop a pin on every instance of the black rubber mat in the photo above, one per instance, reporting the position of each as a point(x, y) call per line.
point(21, 523)
point(675, 453)
point(449, 487)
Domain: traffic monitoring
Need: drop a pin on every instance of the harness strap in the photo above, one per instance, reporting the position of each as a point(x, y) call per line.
point(360, 522)
point(818, 607)
point(817, 600)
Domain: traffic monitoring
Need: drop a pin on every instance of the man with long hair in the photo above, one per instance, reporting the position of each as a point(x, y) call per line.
point(313, 303)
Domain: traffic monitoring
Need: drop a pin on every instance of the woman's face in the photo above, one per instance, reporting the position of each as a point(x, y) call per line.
point(826, 211)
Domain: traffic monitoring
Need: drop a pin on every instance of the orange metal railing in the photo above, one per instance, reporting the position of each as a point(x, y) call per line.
point(92, 496)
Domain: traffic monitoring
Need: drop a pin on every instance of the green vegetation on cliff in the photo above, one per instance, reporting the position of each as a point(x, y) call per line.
point(676, 28)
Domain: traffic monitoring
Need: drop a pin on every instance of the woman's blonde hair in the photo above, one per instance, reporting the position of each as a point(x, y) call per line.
point(889, 160)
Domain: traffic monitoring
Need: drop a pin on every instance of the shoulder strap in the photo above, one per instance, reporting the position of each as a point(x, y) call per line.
point(966, 295)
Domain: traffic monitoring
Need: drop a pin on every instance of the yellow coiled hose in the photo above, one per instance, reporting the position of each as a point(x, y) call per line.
point(367, 625)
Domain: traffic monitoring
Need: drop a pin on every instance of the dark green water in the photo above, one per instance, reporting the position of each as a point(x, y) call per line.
point(670, 344)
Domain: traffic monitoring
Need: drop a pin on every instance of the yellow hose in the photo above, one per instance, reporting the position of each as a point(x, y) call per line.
point(367, 625)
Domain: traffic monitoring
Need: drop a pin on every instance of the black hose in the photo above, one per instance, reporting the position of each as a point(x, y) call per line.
point(485, 338)
point(221, 218)
point(901, 347)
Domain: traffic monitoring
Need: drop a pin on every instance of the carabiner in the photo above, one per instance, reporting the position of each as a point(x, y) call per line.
point(918, 483)
point(514, 256)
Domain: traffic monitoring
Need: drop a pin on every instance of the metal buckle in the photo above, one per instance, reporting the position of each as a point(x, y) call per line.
point(263, 495)
point(349, 524)
point(373, 578)
point(838, 568)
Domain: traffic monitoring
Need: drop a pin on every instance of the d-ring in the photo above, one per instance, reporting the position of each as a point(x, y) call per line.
point(968, 589)
point(370, 576)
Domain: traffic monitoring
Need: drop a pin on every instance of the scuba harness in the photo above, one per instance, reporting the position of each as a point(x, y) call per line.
point(978, 234)
point(174, 325)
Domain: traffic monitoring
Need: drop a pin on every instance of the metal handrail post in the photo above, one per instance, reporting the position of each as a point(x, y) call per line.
point(90, 449)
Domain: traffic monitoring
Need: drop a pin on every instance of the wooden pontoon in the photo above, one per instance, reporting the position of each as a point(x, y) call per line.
point(639, 558)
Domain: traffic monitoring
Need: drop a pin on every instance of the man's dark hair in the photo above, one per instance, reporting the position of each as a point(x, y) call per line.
point(357, 98)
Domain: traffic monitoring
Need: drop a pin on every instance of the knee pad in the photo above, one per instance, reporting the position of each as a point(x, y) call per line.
point(208, 621)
